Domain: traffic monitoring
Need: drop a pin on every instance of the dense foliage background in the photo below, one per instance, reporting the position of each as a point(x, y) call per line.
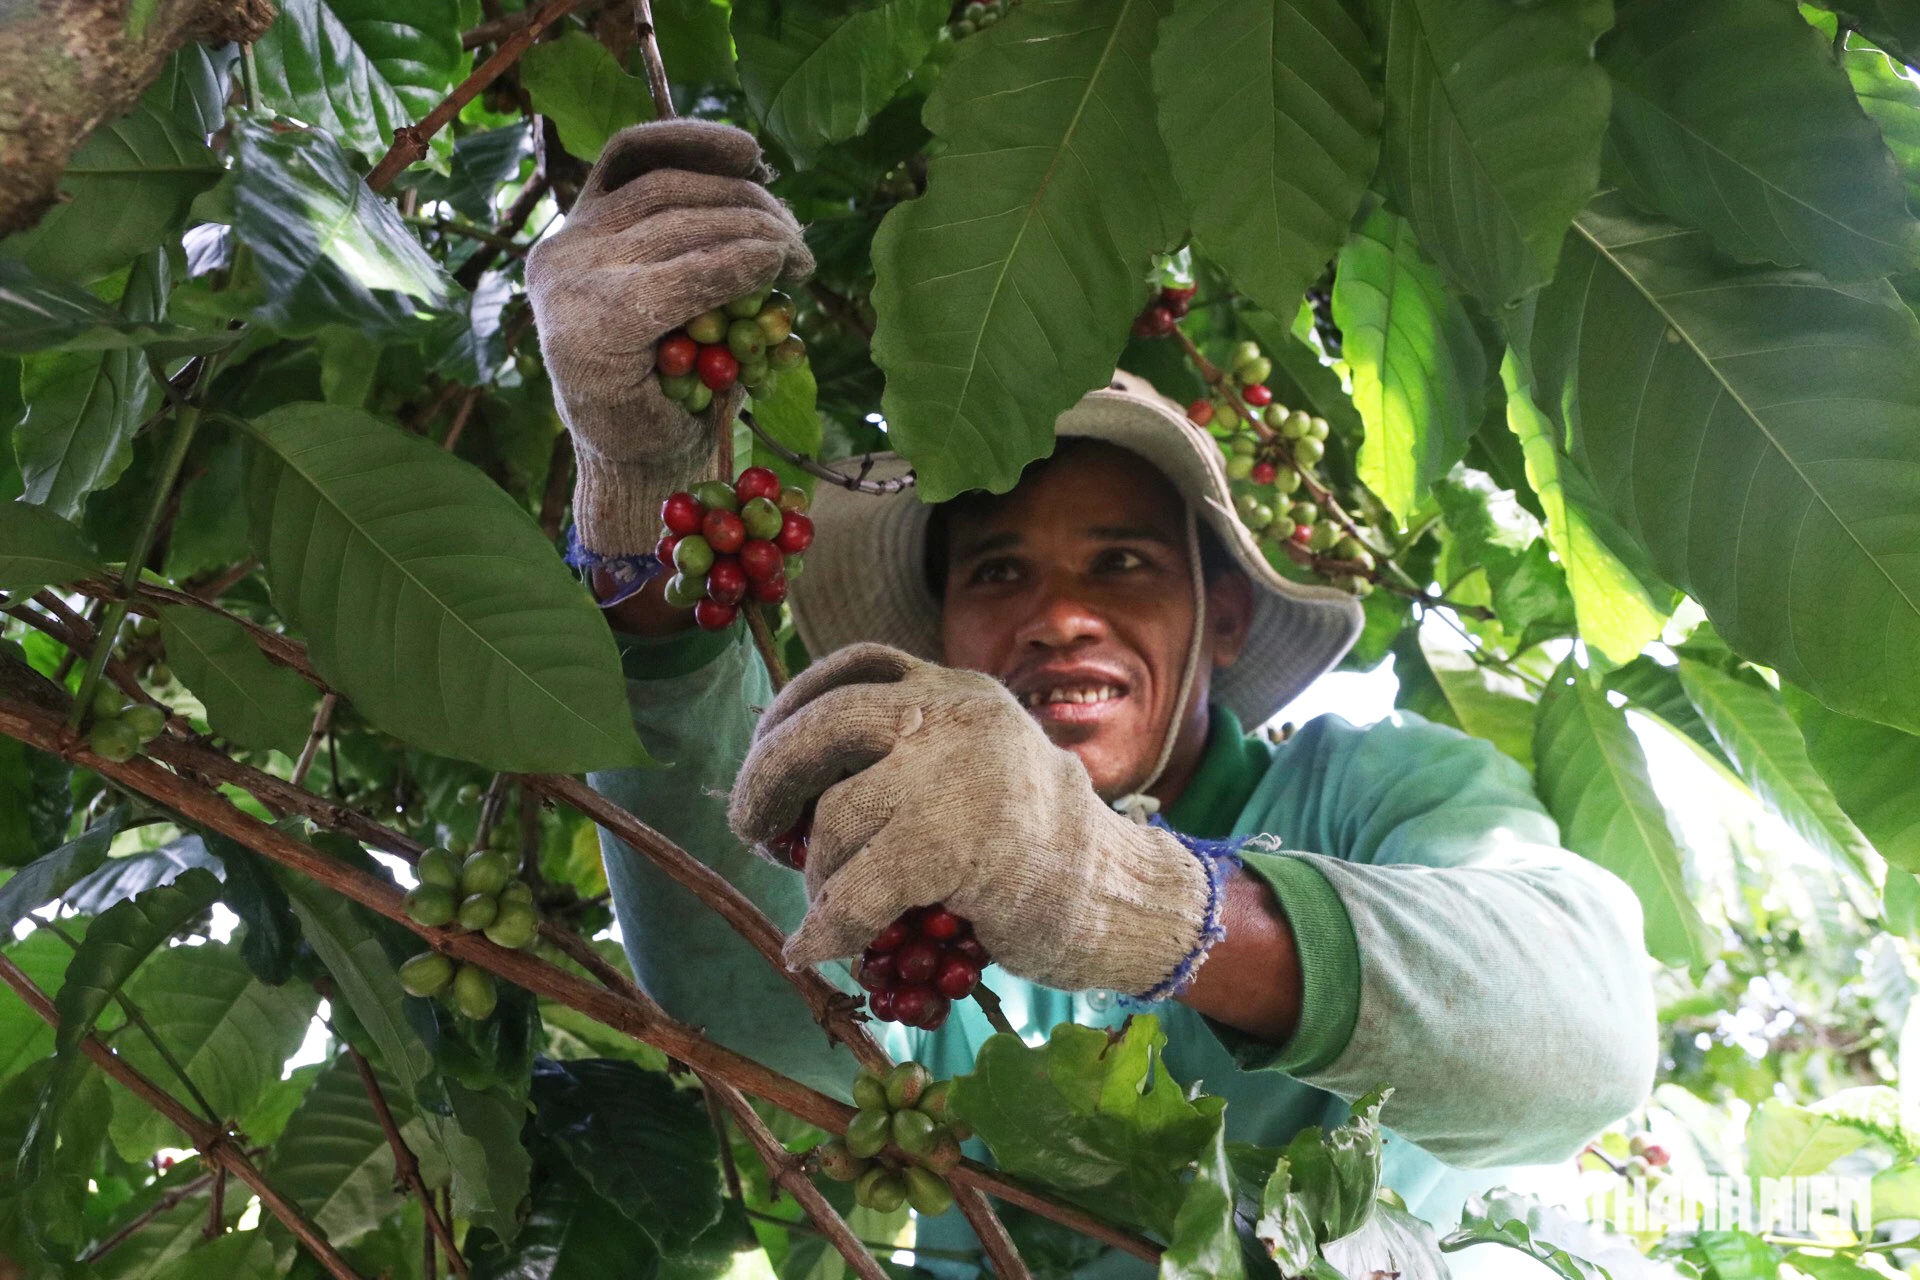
point(1607, 306)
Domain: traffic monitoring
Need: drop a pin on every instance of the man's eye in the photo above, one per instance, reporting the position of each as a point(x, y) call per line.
point(1118, 560)
point(989, 572)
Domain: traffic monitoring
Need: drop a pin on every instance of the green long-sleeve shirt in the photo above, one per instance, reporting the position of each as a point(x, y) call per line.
point(1449, 947)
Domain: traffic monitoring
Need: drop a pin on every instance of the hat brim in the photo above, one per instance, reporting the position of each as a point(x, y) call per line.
point(865, 574)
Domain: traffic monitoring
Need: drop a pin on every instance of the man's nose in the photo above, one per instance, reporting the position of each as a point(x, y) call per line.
point(1060, 620)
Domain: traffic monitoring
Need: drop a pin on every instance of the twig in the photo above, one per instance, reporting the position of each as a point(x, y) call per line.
point(222, 582)
point(410, 140)
point(406, 1166)
point(855, 483)
point(840, 307)
point(989, 1002)
point(726, 407)
point(878, 1246)
point(553, 502)
point(213, 1143)
point(769, 647)
point(460, 416)
point(321, 719)
point(643, 35)
point(490, 806)
point(516, 217)
point(986, 1224)
point(718, 1119)
point(789, 1176)
point(185, 1191)
point(456, 227)
point(216, 1207)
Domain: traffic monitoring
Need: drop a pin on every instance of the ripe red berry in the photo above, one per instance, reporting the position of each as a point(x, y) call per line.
point(882, 1004)
point(1263, 473)
point(941, 924)
point(1303, 534)
point(768, 590)
point(970, 948)
point(1656, 1155)
point(711, 615)
point(726, 582)
point(717, 367)
point(913, 1003)
point(1257, 394)
point(957, 977)
point(681, 513)
point(918, 960)
point(676, 355)
point(1179, 293)
point(889, 938)
point(757, 482)
point(1155, 322)
point(875, 972)
point(1200, 412)
point(664, 548)
point(761, 559)
point(935, 1015)
point(796, 533)
point(725, 531)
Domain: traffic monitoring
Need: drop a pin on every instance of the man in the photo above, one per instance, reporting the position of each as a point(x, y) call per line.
point(1350, 909)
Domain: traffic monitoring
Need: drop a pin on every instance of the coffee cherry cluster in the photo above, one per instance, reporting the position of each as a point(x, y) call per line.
point(1645, 1159)
point(750, 341)
point(1160, 315)
point(978, 16)
point(477, 894)
point(116, 730)
point(909, 1110)
point(919, 965)
point(733, 542)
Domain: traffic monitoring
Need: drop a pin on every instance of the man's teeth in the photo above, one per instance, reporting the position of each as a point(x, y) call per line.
point(1099, 693)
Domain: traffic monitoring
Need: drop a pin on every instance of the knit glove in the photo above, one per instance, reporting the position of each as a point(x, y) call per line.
point(672, 222)
point(933, 785)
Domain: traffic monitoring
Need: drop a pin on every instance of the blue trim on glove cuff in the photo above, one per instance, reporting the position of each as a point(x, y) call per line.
point(629, 573)
point(1221, 858)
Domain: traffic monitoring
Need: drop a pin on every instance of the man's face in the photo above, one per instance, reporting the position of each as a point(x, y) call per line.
point(1075, 591)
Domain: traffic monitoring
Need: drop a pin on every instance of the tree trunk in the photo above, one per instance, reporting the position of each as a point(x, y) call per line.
point(67, 66)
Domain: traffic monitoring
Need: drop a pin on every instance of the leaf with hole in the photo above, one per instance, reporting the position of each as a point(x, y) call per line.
point(1757, 429)
point(1592, 775)
point(1733, 116)
point(431, 599)
point(1275, 143)
point(255, 702)
point(1006, 291)
point(817, 72)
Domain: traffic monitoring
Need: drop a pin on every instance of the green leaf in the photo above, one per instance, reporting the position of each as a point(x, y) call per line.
point(1787, 1140)
point(24, 1038)
point(249, 699)
point(210, 529)
point(488, 1164)
point(1204, 1244)
point(1495, 113)
point(62, 1152)
point(1300, 380)
point(229, 1031)
point(575, 82)
point(1099, 1120)
point(326, 249)
point(46, 878)
point(241, 1255)
point(151, 1250)
point(1391, 1242)
point(1753, 728)
point(1485, 703)
point(791, 416)
point(1617, 611)
point(36, 807)
point(1654, 690)
point(1418, 367)
point(38, 549)
point(1285, 1229)
point(1275, 142)
point(1871, 769)
point(482, 163)
point(125, 190)
point(1896, 1192)
point(129, 875)
point(1006, 291)
point(361, 68)
point(431, 599)
point(333, 1159)
point(1834, 1266)
point(1336, 1175)
point(45, 315)
point(645, 1146)
point(82, 408)
point(1892, 102)
point(570, 1234)
point(1592, 775)
point(817, 72)
point(1733, 116)
point(251, 890)
point(1494, 1221)
point(1758, 430)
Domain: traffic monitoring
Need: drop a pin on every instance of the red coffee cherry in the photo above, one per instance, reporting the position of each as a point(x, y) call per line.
point(725, 531)
point(681, 513)
point(711, 615)
point(757, 482)
point(1200, 412)
point(726, 582)
point(717, 367)
point(1263, 473)
point(796, 533)
point(761, 559)
point(918, 965)
point(768, 590)
point(676, 355)
point(1257, 395)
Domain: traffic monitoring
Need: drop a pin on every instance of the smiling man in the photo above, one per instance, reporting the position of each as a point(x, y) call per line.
point(1033, 708)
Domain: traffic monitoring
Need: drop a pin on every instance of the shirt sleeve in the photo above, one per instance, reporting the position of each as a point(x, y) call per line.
point(1496, 982)
point(695, 697)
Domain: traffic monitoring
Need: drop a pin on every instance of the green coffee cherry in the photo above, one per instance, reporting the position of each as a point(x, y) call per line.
point(881, 1190)
point(699, 398)
point(1226, 418)
point(478, 910)
point(517, 891)
point(1304, 513)
point(762, 516)
point(760, 379)
point(426, 975)
point(474, 993)
point(516, 925)
point(1348, 548)
point(1285, 479)
point(1245, 353)
point(678, 386)
point(683, 592)
point(1308, 451)
point(485, 872)
point(913, 1131)
point(438, 866)
point(1239, 467)
point(1324, 536)
point(869, 1093)
point(937, 1101)
point(1246, 445)
point(1319, 429)
point(108, 701)
point(928, 1192)
point(1254, 371)
point(776, 318)
point(1299, 425)
point(1260, 517)
point(1361, 587)
point(716, 495)
point(113, 740)
point(787, 353)
point(745, 340)
point(431, 904)
point(748, 306)
point(147, 722)
point(468, 795)
point(837, 1162)
point(693, 556)
point(905, 1083)
point(708, 327)
point(869, 1132)
point(945, 1154)
point(1281, 528)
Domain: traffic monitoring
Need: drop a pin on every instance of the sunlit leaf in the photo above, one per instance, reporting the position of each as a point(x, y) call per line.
point(575, 82)
point(1871, 769)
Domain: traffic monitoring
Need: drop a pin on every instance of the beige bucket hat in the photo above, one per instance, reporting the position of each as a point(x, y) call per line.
point(865, 574)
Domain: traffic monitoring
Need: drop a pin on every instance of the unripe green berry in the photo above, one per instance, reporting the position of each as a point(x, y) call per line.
point(937, 1101)
point(468, 795)
point(1299, 425)
point(927, 1192)
point(708, 327)
point(438, 866)
point(1239, 467)
point(485, 872)
point(745, 340)
point(113, 740)
point(775, 319)
point(516, 925)
point(160, 673)
point(693, 556)
point(478, 910)
point(794, 498)
point(1274, 415)
point(837, 1162)
point(905, 1083)
point(1260, 517)
point(789, 353)
point(1226, 418)
point(869, 1132)
point(699, 398)
point(1308, 451)
point(108, 701)
point(1245, 353)
point(683, 592)
point(1324, 536)
point(1285, 480)
point(913, 1131)
point(678, 386)
point(430, 904)
point(1281, 528)
point(881, 1190)
point(764, 381)
point(762, 516)
point(147, 722)
point(474, 993)
point(517, 891)
point(1304, 513)
point(1257, 370)
point(1244, 504)
point(1320, 429)
point(945, 1155)
point(426, 975)
point(1246, 445)
point(1637, 1145)
point(1348, 548)
point(716, 495)
point(1361, 587)
point(748, 305)
point(869, 1092)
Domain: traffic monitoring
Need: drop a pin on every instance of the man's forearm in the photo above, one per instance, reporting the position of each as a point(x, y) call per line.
point(644, 613)
point(1251, 980)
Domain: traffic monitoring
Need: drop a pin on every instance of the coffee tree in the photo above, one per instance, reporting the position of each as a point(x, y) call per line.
point(1573, 337)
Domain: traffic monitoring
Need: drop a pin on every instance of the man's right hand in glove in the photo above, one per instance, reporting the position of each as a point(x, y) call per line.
point(672, 222)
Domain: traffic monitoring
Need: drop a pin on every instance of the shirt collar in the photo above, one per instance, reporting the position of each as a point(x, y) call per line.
point(1229, 770)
